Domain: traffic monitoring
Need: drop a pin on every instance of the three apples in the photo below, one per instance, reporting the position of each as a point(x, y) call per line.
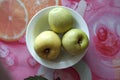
point(48, 43)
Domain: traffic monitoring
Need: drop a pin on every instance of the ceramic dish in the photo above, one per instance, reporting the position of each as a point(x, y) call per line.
point(39, 23)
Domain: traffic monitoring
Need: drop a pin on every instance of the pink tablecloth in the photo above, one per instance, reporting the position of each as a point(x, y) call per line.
point(102, 61)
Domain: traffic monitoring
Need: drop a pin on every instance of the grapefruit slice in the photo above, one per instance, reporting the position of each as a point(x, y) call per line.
point(13, 20)
point(33, 6)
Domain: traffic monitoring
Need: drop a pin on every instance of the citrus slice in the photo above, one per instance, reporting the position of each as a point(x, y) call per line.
point(34, 6)
point(13, 20)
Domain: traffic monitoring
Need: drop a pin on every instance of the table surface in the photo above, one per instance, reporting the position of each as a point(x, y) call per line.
point(102, 61)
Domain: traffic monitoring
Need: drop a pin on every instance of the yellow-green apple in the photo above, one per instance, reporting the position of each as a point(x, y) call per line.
point(60, 19)
point(75, 41)
point(47, 45)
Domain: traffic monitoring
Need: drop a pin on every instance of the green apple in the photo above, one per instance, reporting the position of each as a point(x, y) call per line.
point(47, 45)
point(60, 19)
point(75, 41)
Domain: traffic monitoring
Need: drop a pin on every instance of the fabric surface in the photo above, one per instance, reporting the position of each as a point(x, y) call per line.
point(102, 61)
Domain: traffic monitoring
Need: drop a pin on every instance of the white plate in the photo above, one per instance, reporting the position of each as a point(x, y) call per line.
point(39, 23)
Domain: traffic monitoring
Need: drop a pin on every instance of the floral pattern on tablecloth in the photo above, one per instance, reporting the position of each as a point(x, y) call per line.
point(102, 59)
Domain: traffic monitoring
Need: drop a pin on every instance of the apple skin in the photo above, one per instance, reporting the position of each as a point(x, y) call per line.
point(75, 41)
point(60, 20)
point(47, 45)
